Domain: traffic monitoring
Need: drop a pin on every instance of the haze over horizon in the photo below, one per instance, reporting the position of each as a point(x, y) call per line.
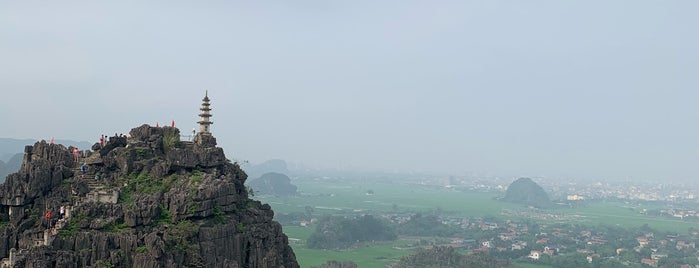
point(585, 89)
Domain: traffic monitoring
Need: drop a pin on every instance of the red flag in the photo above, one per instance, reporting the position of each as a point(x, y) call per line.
point(173, 123)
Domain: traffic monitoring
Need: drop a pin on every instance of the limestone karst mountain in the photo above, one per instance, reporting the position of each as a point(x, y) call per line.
point(527, 192)
point(273, 183)
point(273, 165)
point(149, 200)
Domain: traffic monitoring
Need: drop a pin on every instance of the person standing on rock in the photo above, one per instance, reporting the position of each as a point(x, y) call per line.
point(48, 218)
point(102, 141)
point(83, 168)
point(76, 154)
point(62, 211)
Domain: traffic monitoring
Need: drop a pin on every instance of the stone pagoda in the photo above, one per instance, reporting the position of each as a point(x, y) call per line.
point(204, 123)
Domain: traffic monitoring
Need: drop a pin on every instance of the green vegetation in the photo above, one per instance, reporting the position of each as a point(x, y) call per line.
point(143, 184)
point(342, 198)
point(530, 265)
point(117, 227)
point(126, 196)
point(141, 152)
point(619, 214)
point(141, 249)
point(104, 264)
point(192, 207)
point(218, 216)
point(196, 177)
point(335, 232)
point(428, 225)
point(171, 139)
point(370, 255)
point(179, 235)
point(449, 257)
point(165, 216)
point(70, 229)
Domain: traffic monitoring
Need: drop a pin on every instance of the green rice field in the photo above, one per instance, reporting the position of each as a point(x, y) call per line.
point(350, 197)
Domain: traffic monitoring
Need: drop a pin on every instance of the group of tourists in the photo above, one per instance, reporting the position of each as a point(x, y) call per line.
point(52, 220)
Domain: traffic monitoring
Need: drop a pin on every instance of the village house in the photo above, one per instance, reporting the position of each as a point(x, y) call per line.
point(519, 245)
point(651, 262)
point(591, 257)
point(642, 241)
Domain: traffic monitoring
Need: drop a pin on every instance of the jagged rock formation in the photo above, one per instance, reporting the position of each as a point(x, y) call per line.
point(527, 192)
point(149, 200)
point(273, 183)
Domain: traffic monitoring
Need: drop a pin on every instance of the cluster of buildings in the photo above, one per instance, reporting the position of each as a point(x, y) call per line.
point(526, 240)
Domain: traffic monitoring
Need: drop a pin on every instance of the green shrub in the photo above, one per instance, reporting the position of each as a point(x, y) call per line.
point(171, 139)
point(165, 215)
point(218, 216)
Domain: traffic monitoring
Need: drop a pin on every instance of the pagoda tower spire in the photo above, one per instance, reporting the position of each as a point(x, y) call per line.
point(204, 123)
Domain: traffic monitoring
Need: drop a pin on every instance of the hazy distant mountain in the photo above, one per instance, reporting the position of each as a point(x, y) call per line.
point(10, 147)
point(274, 165)
point(273, 183)
point(11, 166)
point(527, 192)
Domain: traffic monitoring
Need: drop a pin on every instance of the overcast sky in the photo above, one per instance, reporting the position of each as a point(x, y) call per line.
point(561, 89)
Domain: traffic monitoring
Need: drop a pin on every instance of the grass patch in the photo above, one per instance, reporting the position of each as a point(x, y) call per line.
point(218, 216)
point(165, 216)
point(117, 227)
point(367, 255)
point(70, 229)
point(171, 139)
point(141, 249)
point(196, 177)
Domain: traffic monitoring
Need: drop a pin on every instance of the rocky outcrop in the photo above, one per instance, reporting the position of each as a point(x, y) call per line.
point(149, 200)
point(273, 183)
point(527, 192)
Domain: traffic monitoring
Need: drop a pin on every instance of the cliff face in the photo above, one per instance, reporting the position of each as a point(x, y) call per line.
point(149, 200)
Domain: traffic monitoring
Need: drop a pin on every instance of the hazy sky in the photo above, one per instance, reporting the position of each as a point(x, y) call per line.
point(562, 89)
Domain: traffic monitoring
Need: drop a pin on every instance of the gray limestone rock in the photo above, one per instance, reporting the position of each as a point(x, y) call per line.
point(149, 200)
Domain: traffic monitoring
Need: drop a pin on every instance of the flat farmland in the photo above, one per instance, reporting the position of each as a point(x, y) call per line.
point(352, 197)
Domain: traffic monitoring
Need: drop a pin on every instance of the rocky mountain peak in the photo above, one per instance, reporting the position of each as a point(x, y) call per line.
point(147, 199)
